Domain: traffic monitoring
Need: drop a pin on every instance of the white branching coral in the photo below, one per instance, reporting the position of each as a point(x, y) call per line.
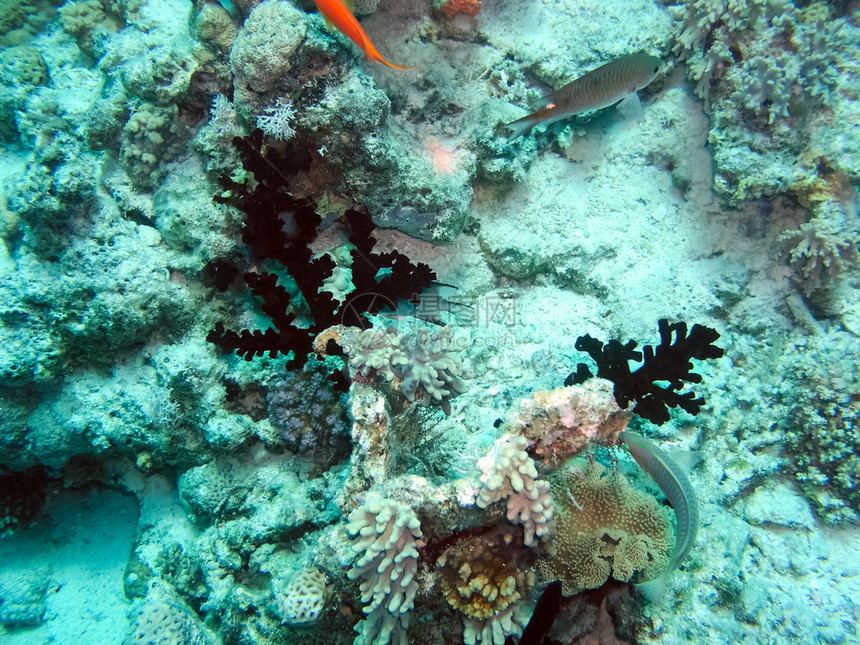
point(424, 366)
point(509, 472)
point(222, 117)
point(385, 535)
point(826, 247)
point(277, 121)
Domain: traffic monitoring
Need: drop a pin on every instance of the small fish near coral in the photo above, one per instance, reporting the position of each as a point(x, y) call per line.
point(617, 81)
point(338, 15)
point(673, 481)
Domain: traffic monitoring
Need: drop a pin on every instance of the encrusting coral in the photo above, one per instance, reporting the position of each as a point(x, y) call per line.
point(822, 442)
point(163, 617)
point(603, 527)
point(566, 420)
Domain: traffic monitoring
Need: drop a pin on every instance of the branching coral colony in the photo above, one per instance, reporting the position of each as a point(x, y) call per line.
point(485, 572)
point(670, 361)
point(266, 201)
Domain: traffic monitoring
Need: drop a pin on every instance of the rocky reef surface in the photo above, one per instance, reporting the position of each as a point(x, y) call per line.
point(423, 479)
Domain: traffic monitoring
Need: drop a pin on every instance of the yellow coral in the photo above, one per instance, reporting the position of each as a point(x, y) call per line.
point(481, 575)
point(604, 527)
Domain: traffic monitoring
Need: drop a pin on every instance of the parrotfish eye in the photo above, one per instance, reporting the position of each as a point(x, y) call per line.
point(657, 69)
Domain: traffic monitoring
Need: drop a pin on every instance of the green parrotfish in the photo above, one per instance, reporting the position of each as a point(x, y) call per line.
point(673, 481)
point(615, 82)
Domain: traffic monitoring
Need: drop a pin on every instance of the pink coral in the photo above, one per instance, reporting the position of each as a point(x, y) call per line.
point(469, 7)
point(561, 423)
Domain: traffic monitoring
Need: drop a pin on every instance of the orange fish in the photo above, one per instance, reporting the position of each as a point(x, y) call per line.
point(338, 14)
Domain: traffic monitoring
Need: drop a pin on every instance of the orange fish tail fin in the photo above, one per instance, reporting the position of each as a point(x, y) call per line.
point(374, 55)
point(393, 66)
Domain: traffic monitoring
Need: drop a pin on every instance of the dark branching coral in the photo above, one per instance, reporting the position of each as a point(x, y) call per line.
point(264, 201)
point(670, 362)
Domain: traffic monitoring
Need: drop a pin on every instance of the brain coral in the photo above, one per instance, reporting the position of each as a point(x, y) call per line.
point(302, 598)
point(604, 527)
point(22, 65)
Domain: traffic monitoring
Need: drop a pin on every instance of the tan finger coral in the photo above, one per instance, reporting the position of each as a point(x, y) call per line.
point(604, 527)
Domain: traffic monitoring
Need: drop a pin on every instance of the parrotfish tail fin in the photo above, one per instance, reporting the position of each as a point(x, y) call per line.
point(521, 126)
point(655, 589)
point(630, 107)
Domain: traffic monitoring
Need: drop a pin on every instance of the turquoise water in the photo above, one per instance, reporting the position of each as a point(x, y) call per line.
point(288, 335)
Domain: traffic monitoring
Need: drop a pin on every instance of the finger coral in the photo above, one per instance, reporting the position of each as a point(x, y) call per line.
point(509, 472)
point(604, 527)
point(385, 540)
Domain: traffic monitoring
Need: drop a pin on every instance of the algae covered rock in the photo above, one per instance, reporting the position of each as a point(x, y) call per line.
point(260, 55)
point(22, 65)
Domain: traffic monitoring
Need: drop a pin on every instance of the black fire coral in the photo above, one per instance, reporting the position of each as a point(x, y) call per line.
point(669, 362)
point(279, 227)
